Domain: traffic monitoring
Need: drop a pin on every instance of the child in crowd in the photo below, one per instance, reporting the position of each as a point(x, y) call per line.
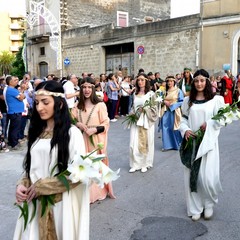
point(3, 145)
point(99, 92)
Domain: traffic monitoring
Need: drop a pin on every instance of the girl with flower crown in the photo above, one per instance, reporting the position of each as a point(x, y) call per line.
point(52, 144)
point(201, 172)
point(142, 132)
point(170, 115)
point(92, 119)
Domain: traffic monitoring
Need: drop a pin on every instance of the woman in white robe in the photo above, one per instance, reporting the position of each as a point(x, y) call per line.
point(142, 134)
point(198, 110)
point(52, 140)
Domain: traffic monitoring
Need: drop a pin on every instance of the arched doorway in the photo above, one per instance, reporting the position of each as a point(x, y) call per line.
point(236, 53)
point(43, 68)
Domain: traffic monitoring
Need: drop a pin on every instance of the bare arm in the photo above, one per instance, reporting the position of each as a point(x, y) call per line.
point(71, 95)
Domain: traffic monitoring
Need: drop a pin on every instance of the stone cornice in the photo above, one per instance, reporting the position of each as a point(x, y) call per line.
point(221, 20)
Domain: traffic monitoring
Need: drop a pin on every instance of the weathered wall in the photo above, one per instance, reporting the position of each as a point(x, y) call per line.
point(221, 8)
point(100, 12)
point(34, 58)
point(217, 46)
point(221, 24)
point(169, 45)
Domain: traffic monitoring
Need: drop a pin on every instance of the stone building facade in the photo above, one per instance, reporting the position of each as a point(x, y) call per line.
point(220, 34)
point(100, 12)
point(168, 45)
point(93, 41)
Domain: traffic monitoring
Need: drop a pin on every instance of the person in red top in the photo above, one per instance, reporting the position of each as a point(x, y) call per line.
point(228, 91)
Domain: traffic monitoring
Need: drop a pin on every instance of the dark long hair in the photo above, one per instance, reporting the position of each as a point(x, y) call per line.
point(208, 93)
point(190, 76)
point(94, 98)
point(62, 124)
point(169, 77)
point(147, 85)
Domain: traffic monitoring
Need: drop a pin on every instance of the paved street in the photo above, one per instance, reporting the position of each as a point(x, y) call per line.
point(149, 205)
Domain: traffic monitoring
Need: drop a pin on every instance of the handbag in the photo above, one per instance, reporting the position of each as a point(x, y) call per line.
point(105, 97)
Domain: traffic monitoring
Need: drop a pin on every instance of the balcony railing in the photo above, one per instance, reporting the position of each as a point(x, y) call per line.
point(39, 30)
point(16, 26)
point(15, 37)
point(14, 48)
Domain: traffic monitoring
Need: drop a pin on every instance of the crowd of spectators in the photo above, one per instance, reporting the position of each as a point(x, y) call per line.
point(116, 90)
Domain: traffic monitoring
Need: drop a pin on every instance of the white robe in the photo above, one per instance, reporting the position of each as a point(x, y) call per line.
point(208, 183)
point(71, 215)
point(137, 159)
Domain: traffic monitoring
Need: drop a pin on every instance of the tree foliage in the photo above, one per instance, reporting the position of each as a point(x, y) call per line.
point(18, 65)
point(6, 61)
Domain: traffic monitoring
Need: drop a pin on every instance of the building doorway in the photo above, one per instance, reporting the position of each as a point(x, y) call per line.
point(238, 58)
point(120, 58)
point(43, 68)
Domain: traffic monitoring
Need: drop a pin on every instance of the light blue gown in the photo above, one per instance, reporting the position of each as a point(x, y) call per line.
point(171, 139)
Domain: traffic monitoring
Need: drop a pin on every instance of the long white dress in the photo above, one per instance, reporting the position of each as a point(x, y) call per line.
point(137, 159)
point(208, 182)
point(71, 215)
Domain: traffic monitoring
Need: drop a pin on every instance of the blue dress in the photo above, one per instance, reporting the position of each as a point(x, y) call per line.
point(171, 139)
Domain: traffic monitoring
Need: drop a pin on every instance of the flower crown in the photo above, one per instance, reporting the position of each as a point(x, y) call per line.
point(48, 93)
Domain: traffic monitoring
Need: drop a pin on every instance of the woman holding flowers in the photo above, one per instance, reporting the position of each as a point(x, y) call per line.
point(170, 115)
point(52, 144)
point(142, 132)
point(92, 120)
point(199, 151)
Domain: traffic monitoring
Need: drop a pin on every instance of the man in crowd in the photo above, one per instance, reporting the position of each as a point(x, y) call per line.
point(15, 107)
point(69, 89)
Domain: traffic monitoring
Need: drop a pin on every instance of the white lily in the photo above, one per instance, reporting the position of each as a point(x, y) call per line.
point(229, 117)
point(233, 116)
point(159, 99)
point(221, 122)
point(108, 175)
point(80, 170)
point(237, 113)
point(225, 105)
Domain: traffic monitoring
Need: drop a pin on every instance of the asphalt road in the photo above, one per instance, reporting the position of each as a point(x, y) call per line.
point(149, 205)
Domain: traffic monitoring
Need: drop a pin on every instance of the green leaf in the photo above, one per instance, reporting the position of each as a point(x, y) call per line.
point(91, 140)
point(20, 208)
point(97, 159)
point(50, 199)
point(44, 205)
point(51, 173)
point(34, 202)
point(64, 180)
point(25, 215)
point(73, 119)
point(132, 119)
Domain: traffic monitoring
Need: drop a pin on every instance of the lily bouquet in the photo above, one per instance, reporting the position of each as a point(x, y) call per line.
point(224, 116)
point(133, 117)
point(82, 169)
point(160, 95)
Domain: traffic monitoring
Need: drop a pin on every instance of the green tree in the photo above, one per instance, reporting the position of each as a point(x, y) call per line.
point(6, 61)
point(18, 65)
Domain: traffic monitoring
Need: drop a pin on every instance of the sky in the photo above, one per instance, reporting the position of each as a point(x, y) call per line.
point(15, 6)
point(181, 8)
